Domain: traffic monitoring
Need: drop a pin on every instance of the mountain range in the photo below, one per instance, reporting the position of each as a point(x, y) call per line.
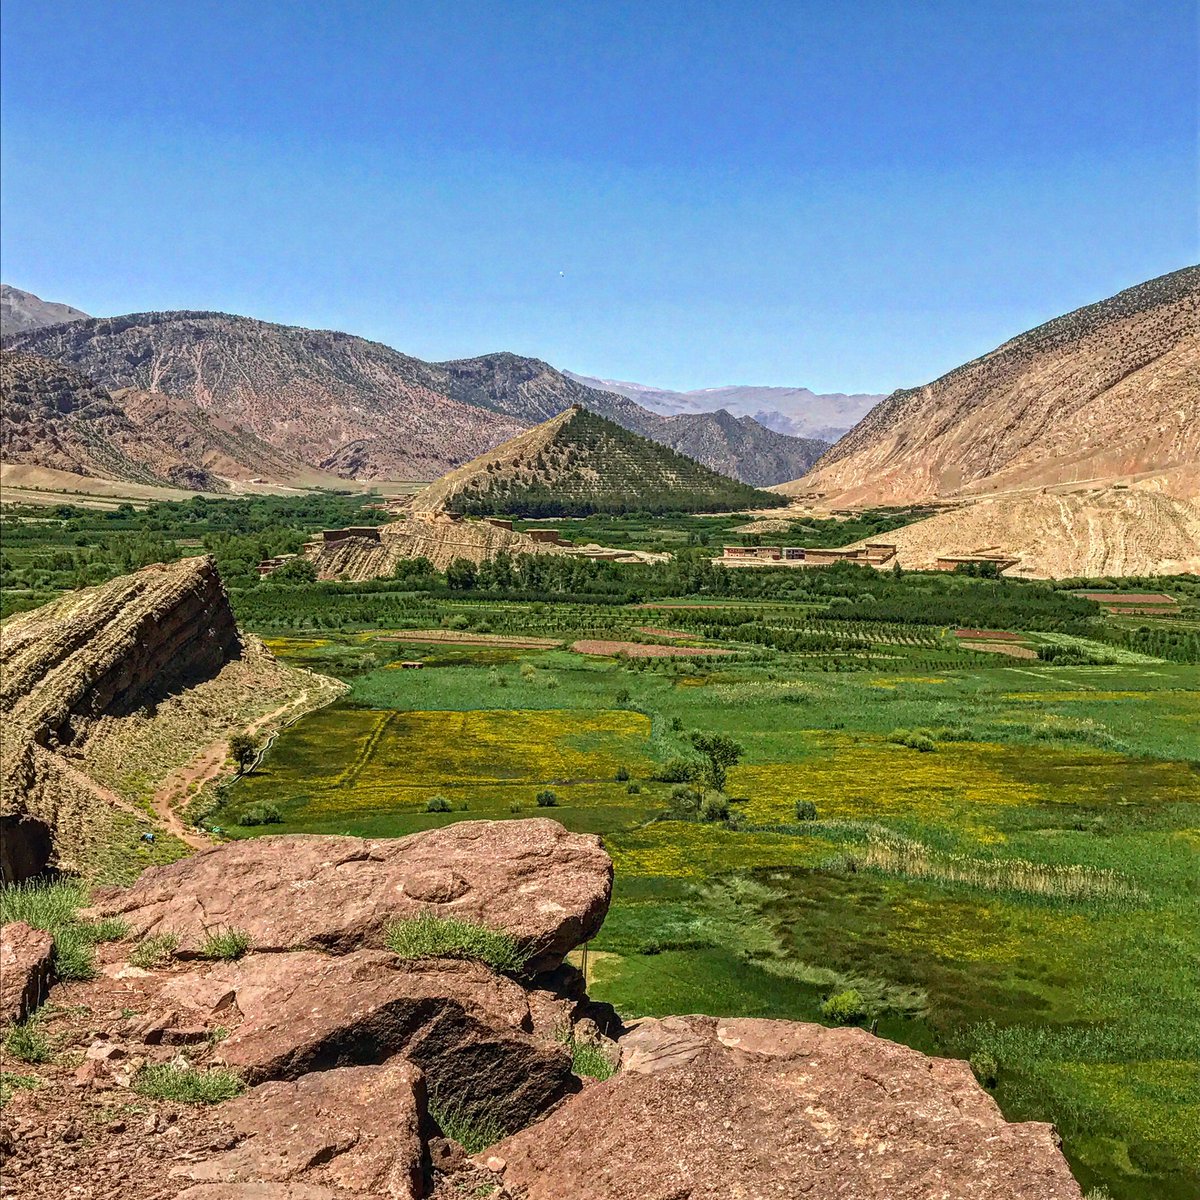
point(1107, 394)
point(342, 405)
point(791, 410)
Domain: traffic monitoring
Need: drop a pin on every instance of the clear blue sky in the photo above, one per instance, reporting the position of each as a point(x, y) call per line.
point(844, 195)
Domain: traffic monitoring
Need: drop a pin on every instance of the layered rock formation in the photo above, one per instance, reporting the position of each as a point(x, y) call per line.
point(360, 1063)
point(156, 650)
point(434, 536)
point(1109, 531)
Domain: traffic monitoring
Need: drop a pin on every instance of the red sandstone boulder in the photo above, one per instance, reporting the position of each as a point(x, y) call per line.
point(546, 886)
point(26, 969)
point(357, 1128)
point(468, 1028)
point(709, 1109)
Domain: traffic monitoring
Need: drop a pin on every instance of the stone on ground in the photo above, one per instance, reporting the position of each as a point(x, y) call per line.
point(26, 970)
point(357, 1128)
point(547, 887)
point(709, 1109)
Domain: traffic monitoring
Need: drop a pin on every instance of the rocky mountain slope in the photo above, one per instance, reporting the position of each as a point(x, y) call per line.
point(361, 410)
point(1108, 531)
point(1108, 393)
point(58, 418)
point(20, 311)
point(349, 1068)
point(824, 416)
point(338, 403)
point(105, 691)
point(577, 463)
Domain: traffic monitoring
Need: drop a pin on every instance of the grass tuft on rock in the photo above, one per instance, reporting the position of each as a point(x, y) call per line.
point(228, 944)
point(154, 952)
point(591, 1060)
point(474, 1129)
point(187, 1085)
point(451, 937)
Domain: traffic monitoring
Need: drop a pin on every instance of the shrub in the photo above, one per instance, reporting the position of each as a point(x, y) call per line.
point(591, 1060)
point(261, 814)
point(546, 799)
point(678, 770)
point(985, 1066)
point(622, 774)
point(438, 804)
point(624, 696)
point(685, 802)
point(634, 789)
point(187, 1085)
point(228, 943)
point(714, 807)
point(806, 810)
point(844, 1008)
point(156, 951)
point(27, 1042)
point(451, 937)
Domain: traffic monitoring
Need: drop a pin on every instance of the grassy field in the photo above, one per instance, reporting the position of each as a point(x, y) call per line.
point(1025, 892)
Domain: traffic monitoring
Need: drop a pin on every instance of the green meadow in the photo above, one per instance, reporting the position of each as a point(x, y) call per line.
point(998, 861)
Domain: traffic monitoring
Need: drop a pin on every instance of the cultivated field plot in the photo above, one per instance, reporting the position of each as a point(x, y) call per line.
point(385, 765)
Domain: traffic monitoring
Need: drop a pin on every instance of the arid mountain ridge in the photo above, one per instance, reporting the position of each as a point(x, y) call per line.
point(354, 408)
point(1109, 393)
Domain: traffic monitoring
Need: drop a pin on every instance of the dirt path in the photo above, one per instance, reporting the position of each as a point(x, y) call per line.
point(203, 767)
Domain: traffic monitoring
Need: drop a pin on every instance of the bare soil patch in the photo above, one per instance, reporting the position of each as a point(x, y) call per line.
point(990, 635)
point(641, 650)
point(458, 638)
point(1009, 648)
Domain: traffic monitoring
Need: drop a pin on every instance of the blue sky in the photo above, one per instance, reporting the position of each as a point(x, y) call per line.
point(847, 196)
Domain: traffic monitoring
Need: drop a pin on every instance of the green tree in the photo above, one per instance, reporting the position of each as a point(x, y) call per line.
point(243, 749)
point(721, 753)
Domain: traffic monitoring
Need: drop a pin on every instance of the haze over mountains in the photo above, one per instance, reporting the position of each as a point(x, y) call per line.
point(792, 410)
point(340, 404)
point(1109, 393)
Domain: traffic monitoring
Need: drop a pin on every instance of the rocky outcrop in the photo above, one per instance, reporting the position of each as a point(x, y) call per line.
point(548, 888)
point(706, 1109)
point(128, 653)
point(360, 1062)
point(26, 970)
point(436, 537)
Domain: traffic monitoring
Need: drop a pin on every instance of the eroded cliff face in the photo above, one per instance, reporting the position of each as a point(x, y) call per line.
point(108, 689)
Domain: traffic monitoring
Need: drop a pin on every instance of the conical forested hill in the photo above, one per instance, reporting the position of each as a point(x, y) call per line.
point(579, 463)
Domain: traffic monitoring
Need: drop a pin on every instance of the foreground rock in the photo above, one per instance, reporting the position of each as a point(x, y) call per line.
point(26, 970)
point(549, 888)
point(708, 1109)
point(467, 1027)
point(354, 1128)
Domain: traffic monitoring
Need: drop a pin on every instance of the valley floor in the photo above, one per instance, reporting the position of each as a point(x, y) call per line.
point(999, 858)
